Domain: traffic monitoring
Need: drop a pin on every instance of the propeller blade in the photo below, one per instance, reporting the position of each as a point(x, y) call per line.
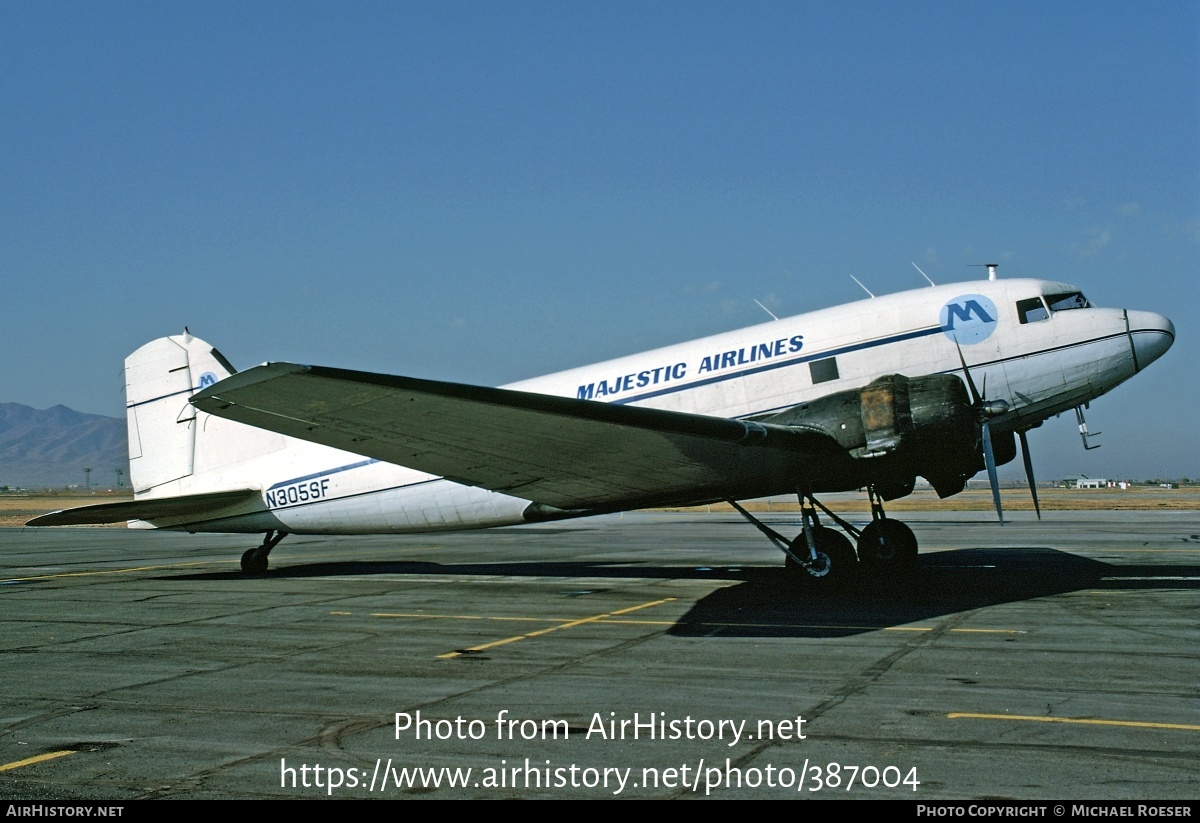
point(983, 409)
point(975, 396)
point(1029, 472)
point(989, 460)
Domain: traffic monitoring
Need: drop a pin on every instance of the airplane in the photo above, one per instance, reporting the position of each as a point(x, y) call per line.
point(938, 382)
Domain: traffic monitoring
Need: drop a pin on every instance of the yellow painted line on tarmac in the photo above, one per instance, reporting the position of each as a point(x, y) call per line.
point(820, 626)
point(106, 571)
point(470, 617)
point(954, 631)
point(101, 572)
point(610, 619)
point(568, 625)
point(29, 761)
point(1084, 721)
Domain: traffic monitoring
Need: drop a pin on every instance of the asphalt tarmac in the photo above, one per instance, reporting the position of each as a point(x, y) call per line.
point(644, 655)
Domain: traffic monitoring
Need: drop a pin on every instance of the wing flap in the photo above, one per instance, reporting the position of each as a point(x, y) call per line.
point(559, 451)
point(192, 506)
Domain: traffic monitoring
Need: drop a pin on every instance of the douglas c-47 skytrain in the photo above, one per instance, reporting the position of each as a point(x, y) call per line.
point(937, 382)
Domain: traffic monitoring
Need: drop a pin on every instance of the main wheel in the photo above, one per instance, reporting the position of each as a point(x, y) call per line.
point(252, 563)
point(887, 543)
point(838, 564)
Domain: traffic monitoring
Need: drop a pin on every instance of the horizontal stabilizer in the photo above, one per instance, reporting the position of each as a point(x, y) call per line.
point(203, 506)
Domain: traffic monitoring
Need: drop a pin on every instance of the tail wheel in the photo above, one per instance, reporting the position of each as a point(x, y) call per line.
point(887, 543)
point(254, 564)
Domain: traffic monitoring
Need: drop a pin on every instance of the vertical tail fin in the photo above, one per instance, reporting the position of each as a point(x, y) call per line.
point(169, 441)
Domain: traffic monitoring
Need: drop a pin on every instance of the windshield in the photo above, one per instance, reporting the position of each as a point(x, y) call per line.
point(1070, 300)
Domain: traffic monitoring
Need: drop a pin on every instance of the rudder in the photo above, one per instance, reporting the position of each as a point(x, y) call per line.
point(166, 440)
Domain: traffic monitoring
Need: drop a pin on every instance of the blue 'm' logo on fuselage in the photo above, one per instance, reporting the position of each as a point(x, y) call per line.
point(969, 318)
point(207, 379)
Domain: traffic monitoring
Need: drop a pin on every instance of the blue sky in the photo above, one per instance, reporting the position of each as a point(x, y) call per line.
point(484, 192)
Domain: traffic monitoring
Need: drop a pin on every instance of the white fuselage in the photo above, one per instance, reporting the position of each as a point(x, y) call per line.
point(1038, 359)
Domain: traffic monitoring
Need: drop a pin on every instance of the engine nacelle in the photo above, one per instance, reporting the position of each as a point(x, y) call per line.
point(914, 426)
point(889, 415)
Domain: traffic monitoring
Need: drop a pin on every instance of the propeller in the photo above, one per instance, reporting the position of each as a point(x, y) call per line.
point(1029, 472)
point(985, 409)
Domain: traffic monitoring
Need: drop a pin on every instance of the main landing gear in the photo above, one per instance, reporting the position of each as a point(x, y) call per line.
point(821, 553)
point(885, 543)
point(254, 561)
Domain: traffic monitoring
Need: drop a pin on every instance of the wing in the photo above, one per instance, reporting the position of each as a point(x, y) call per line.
point(558, 451)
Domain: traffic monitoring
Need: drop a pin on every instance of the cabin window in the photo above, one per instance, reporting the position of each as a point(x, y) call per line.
point(1067, 301)
point(823, 371)
point(1031, 310)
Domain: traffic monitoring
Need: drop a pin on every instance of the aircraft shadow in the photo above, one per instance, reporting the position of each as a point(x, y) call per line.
point(943, 583)
point(530, 569)
point(766, 602)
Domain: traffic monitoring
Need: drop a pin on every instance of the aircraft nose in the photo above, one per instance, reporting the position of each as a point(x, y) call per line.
point(1150, 335)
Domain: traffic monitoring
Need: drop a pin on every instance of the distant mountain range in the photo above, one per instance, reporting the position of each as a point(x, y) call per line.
point(51, 448)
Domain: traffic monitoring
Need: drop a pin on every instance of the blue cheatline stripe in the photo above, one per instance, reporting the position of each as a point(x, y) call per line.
point(981, 364)
point(780, 364)
point(832, 353)
point(325, 473)
point(795, 361)
point(294, 506)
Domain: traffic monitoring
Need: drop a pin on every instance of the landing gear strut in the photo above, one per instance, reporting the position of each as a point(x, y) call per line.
point(818, 552)
point(254, 561)
point(885, 543)
point(821, 553)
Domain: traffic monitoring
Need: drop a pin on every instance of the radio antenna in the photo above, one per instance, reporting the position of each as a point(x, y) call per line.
point(768, 311)
point(859, 282)
point(923, 274)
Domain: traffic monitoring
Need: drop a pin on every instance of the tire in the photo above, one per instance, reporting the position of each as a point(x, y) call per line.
point(887, 544)
point(253, 564)
point(843, 563)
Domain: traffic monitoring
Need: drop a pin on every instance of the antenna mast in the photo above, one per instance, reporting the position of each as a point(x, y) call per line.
point(923, 274)
point(859, 282)
point(764, 308)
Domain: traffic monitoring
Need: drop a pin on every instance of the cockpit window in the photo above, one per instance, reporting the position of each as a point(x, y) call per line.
point(1031, 310)
point(1071, 300)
